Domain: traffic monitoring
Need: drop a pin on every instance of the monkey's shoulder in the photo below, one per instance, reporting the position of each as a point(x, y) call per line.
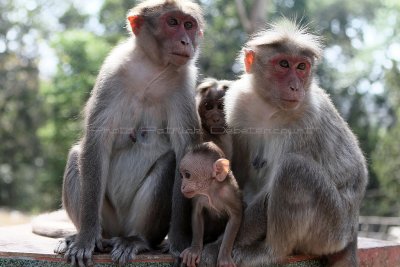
point(244, 108)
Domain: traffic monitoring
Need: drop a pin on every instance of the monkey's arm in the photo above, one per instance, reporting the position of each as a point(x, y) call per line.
point(191, 256)
point(93, 167)
point(197, 226)
point(231, 230)
point(185, 119)
point(253, 226)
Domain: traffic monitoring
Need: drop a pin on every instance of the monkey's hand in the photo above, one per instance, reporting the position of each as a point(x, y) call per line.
point(80, 250)
point(191, 256)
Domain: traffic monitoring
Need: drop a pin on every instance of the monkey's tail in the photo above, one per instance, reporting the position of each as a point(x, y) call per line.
point(55, 224)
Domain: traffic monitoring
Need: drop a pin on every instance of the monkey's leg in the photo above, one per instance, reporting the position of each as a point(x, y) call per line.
point(70, 196)
point(250, 240)
point(346, 257)
point(153, 202)
point(180, 233)
point(254, 222)
point(306, 212)
point(71, 186)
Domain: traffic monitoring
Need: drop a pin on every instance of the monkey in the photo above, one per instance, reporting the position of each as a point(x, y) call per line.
point(119, 179)
point(208, 181)
point(210, 106)
point(303, 172)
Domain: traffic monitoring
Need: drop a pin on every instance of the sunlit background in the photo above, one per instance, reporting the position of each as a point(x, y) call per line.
point(50, 53)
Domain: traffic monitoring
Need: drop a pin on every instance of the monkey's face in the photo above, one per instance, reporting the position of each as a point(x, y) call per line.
point(180, 32)
point(211, 108)
point(196, 173)
point(290, 76)
point(283, 79)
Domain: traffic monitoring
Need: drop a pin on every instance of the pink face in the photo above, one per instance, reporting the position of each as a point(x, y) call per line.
point(181, 30)
point(290, 76)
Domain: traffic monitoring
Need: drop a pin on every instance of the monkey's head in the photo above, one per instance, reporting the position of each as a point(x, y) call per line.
point(210, 99)
point(281, 62)
point(203, 165)
point(167, 30)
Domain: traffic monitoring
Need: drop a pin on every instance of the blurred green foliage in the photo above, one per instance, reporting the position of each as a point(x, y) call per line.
point(41, 117)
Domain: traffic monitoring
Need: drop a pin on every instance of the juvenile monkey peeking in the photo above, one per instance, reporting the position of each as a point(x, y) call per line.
point(208, 181)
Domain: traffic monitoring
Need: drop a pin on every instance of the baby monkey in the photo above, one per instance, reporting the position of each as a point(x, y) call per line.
point(210, 105)
point(208, 181)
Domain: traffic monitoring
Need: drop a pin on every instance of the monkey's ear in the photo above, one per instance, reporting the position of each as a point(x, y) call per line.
point(202, 89)
point(221, 169)
point(136, 23)
point(248, 59)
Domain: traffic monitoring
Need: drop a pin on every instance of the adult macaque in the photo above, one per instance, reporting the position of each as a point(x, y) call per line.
point(119, 179)
point(305, 173)
point(210, 105)
point(208, 181)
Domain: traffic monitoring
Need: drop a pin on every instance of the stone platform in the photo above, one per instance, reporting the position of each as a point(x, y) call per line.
point(19, 247)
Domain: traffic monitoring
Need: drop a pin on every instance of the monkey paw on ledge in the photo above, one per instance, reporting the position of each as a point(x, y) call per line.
point(19, 247)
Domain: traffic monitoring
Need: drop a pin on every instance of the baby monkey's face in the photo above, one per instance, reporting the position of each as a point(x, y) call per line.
point(197, 173)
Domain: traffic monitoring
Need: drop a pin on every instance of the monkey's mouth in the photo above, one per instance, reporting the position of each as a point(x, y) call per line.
point(218, 129)
point(181, 55)
point(189, 194)
point(289, 103)
point(290, 100)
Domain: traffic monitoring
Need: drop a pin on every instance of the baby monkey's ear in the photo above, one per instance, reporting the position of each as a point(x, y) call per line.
point(220, 169)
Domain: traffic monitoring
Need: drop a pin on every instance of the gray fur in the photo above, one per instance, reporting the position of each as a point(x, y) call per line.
point(118, 187)
point(306, 196)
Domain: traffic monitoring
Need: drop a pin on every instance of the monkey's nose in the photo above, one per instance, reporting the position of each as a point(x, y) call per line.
point(294, 89)
point(183, 42)
point(215, 120)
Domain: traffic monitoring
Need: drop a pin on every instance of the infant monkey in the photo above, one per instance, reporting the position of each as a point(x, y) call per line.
point(208, 181)
point(210, 105)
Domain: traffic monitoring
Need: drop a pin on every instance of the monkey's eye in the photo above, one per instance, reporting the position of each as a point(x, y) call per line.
point(302, 66)
point(208, 106)
point(187, 175)
point(172, 21)
point(221, 106)
point(225, 87)
point(188, 25)
point(284, 63)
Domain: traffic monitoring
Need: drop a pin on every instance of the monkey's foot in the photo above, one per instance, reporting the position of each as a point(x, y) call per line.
point(126, 248)
point(164, 247)
point(64, 244)
point(80, 251)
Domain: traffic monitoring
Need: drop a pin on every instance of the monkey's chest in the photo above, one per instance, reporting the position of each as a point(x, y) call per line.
point(139, 141)
point(140, 126)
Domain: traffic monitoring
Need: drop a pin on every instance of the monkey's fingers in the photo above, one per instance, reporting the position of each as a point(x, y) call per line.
point(81, 257)
point(184, 256)
point(198, 260)
point(193, 259)
point(107, 246)
point(61, 247)
point(99, 244)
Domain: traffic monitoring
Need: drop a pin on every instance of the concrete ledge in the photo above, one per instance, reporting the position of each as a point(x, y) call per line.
point(19, 247)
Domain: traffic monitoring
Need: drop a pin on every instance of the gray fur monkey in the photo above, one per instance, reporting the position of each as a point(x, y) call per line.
point(303, 170)
point(119, 178)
